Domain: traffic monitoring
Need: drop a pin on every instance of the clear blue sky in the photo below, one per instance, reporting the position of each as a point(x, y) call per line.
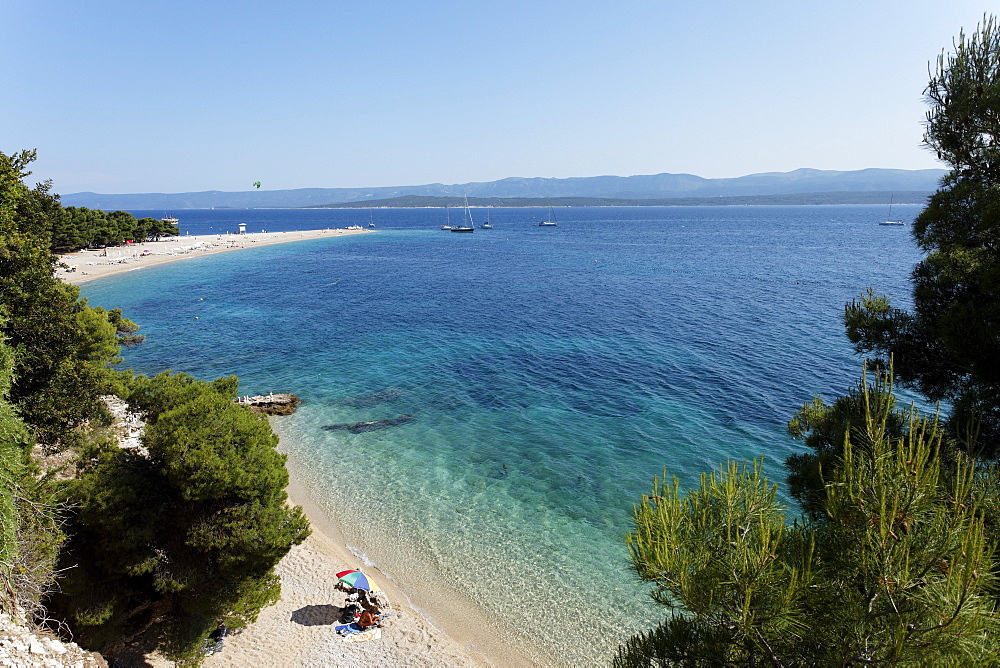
point(142, 96)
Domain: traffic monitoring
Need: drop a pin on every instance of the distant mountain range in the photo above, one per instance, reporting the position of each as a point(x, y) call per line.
point(607, 188)
point(802, 199)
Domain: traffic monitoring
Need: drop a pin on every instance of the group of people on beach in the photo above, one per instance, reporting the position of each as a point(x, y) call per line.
point(361, 612)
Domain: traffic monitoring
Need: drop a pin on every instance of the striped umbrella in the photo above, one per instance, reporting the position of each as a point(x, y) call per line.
point(356, 579)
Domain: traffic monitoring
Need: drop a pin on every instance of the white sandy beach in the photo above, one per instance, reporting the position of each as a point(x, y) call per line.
point(87, 265)
point(299, 629)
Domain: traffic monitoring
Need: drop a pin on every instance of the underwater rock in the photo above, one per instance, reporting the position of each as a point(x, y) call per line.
point(373, 398)
point(373, 425)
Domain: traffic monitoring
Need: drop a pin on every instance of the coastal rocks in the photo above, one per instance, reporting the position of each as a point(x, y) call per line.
point(27, 648)
point(126, 430)
point(373, 425)
point(127, 425)
point(270, 404)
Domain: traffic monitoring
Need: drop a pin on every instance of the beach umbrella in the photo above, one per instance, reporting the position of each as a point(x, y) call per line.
point(356, 579)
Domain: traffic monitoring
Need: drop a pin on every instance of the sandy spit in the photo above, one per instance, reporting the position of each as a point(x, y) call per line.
point(87, 265)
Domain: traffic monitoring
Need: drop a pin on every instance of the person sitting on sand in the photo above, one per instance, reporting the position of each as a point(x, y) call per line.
point(368, 619)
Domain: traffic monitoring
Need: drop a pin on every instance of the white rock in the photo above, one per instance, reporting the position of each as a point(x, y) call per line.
point(56, 646)
point(34, 646)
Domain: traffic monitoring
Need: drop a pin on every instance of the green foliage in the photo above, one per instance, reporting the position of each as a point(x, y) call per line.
point(964, 94)
point(825, 429)
point(63, 346)
point(153, 396)
point(164, 542)
point(80, 227)
point(27, 210)
point(724, 553)
point(947, 346)
point(897, 569)
point(13, 445)
point(174, 540)
point(29, 520)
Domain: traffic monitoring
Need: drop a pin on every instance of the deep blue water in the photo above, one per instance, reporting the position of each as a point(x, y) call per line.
point(550, 373)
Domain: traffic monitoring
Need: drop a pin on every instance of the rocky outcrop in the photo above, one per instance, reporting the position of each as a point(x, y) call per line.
point(26, 648)
point(271, 404)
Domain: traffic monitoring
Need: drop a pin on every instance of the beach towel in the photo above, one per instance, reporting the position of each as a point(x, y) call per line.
point(371, 634)
point(348, 629)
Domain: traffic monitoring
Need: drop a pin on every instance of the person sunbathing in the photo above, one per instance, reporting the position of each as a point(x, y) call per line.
point(368, 619)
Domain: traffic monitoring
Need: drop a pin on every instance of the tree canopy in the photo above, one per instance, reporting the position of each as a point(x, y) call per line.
point(76, 228)
point(948, 346)
point(62, 346)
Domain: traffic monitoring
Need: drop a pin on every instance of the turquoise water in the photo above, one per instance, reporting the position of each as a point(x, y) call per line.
point(550, 373)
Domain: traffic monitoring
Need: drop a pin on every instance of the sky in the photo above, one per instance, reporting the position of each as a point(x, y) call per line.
point(142, 96)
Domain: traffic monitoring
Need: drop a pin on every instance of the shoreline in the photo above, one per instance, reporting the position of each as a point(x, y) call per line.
point(299, 628)
point(87, 265)
point(454, 630)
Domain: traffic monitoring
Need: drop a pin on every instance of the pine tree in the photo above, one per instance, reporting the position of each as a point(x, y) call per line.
point(946, 347)
point(897, 570)
point(169, 541)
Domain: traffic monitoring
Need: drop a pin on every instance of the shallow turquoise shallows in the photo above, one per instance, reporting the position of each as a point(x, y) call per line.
point(533, 379)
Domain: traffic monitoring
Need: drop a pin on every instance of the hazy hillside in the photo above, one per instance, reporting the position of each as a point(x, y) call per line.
point(801, 199)
point(655, 186)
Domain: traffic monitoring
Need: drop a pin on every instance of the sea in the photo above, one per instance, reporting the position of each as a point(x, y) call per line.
point(481, 411)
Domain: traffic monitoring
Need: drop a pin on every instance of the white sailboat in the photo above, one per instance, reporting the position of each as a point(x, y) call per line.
point(488, 225)
point(550, 222)
point(467, 225)
point(889, 220)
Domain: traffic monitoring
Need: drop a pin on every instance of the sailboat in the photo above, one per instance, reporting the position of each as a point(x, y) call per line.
point(467, 225)
point(488, 225)
point(550, 222)
point(889, 220)
point(371, 219)
point(447, 212)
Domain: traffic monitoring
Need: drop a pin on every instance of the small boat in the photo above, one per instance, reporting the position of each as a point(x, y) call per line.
point(548, 223)
point(889, 220)
point(371, 220)
point(169, 220)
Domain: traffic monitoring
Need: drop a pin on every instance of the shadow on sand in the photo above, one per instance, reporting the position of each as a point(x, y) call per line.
point(317, 615)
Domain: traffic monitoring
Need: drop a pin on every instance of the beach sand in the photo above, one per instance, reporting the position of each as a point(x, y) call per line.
point(299, 629)
point(87, 265)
